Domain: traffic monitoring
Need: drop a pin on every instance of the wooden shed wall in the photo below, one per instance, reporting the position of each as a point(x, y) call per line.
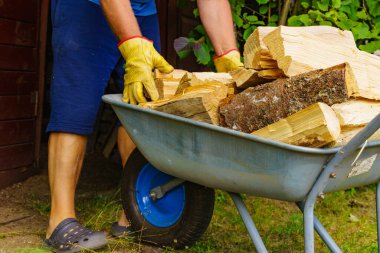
point(176, 22)
point(22, 59)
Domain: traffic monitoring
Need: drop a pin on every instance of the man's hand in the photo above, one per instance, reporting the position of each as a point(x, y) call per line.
point(228, 61)
point(140, 59)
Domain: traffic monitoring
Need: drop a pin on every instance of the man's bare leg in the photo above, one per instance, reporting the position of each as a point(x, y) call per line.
point(125, 146)
point(65, 159)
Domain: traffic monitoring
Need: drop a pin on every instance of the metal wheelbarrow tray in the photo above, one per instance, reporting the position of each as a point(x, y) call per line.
point(237, 162)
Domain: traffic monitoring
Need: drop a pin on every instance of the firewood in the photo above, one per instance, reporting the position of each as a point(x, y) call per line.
point(271, 73)
point(206, 78)
point(200, 102)
point(245, 78)
point(315, 126)
point(258, 56)
point(297, 52)
point(256, 53)
point(259, 106)
point(347, 134)
point(356, 113)
point(167, 84)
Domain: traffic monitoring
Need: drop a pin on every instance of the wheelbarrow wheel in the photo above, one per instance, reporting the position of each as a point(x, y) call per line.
point(176, 220)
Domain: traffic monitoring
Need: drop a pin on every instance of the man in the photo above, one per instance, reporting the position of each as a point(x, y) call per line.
point(85, 54)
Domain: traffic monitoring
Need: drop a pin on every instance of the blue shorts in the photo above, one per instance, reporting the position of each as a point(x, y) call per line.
point(85, 54)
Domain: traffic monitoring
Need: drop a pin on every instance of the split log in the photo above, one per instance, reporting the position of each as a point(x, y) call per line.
point(297, 52)
point(271, 73)
point(199, 103)
point(347, 134)
point(206, 78)
point(256, 53)
point(315, 126)
point(245, 78)
point(258, 56)
point(259, 106)
point(356, 113)
point(167, 84)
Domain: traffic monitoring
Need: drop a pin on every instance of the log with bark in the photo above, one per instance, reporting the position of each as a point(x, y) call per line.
point(315, 126)
point(265, 104)
point(297, 51)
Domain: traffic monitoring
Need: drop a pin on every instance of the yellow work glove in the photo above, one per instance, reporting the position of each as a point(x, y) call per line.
point(228, 61)
point(140, 59)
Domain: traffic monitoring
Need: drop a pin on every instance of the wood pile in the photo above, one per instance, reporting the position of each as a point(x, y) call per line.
point(306, 86)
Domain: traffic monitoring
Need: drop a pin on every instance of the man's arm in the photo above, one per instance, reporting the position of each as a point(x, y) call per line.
point(217, 20)
point(121, 18)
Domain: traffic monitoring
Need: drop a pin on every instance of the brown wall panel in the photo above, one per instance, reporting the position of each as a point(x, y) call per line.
point(25, 10)
point(17, 107)
point(16, 132)
point(14, 82)
point(9, 177)
point(18, 58)
point(16, 156)
point(17, 33)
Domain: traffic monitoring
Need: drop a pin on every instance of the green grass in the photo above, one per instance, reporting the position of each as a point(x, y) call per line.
point(349, 216)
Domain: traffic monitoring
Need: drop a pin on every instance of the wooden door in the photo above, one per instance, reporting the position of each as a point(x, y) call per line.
point(22, 59)
point(176, 22)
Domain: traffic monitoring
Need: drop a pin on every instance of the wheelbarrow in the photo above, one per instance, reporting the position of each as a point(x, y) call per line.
point(169, 196)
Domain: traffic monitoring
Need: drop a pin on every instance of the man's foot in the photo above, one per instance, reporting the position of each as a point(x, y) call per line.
point(120, 231)
point(70, 236)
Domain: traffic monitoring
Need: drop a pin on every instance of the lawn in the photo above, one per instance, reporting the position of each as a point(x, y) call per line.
point(349, 216)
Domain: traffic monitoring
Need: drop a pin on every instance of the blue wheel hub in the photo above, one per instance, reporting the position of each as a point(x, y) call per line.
point(163, 212)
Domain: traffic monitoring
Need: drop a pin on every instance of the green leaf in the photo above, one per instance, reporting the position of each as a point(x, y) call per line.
point(248, 32)
point(346, 2)
point(294, 21)
point(323, 22)
point(252, 18)
point(362, 15)
point(371, 46)
point(196, 13)
point(373, 7)
point(361, 31)
point(262, 1)
point(345, 9)
point(184, 53)
point(323, 5)
point(263, 9)
point(200, 29)
point(345, 24)
point(259, 22)
point(202, 53)
point(273, 18)
point(305, 19)
point(237, 20)
point(336, 4)
point(305, 4)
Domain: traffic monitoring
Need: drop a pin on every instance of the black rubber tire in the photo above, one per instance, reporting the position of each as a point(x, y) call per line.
point(197, 214)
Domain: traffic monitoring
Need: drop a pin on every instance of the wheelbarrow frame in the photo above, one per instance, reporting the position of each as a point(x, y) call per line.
point(305, 173)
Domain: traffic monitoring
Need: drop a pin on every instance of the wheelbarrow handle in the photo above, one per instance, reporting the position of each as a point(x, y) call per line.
point(344, 152)
point(322, 181)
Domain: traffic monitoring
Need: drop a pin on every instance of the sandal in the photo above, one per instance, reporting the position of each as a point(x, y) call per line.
point(120, 231)
point(70, 236)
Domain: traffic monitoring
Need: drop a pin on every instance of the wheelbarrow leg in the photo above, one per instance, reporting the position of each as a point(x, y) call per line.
point(322, 232)
point(378, 215)
point(249, 224)
point(321, 183)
